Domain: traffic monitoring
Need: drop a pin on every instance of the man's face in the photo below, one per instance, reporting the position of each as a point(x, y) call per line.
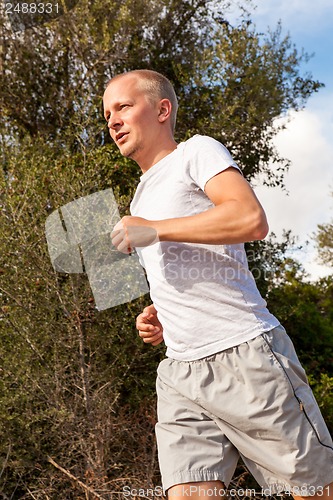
point(132, 118)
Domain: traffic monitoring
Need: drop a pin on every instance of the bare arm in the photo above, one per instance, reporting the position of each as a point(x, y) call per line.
point(237, 217)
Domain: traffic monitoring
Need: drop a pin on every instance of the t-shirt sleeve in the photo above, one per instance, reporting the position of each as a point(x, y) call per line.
point(204, 157)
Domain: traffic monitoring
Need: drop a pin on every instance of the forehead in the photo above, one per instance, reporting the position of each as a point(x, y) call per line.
point(125, 87)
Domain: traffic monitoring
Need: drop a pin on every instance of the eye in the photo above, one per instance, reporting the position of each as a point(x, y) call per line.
point(122, 106)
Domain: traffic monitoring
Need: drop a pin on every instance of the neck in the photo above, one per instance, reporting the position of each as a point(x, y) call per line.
point(155, 155)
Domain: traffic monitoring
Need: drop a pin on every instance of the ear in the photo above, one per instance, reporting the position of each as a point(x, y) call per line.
point(165, 108)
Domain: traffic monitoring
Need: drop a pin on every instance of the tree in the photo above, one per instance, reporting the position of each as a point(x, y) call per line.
point(71, 387)
point(303, 307)
point(305, 310)
point(69, 374)
point(54, 74)
point(324, 241)
point(271, 263)
point(238, 74)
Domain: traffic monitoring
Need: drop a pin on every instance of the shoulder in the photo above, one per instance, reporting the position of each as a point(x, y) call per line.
point(203, 148)
point(204, 158)
point(202, 141)
point(204, 145)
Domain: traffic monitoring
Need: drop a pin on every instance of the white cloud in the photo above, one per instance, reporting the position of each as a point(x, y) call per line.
point(297, 15)
point(309, 182)
point(308, 138)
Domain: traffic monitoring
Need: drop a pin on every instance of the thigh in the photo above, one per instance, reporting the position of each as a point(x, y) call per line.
point(271, 416)
point(191, 446)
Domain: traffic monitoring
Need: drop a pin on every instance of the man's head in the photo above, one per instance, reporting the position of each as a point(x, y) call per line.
point(140, 107)
point(156, 86)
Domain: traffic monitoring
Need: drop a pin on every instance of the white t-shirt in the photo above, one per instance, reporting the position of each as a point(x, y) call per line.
point(205, 295)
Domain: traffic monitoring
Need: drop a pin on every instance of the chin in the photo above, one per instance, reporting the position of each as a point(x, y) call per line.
point(124, 151)
point(128, 154)
point(131, 153)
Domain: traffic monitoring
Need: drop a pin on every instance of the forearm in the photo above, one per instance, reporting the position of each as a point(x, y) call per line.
point(227, 223)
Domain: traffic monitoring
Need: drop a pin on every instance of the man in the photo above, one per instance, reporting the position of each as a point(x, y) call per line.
point(231, 384)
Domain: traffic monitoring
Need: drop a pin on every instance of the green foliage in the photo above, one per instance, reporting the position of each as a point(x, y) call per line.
point(270, 263)
point(54, 75)
point(324, 241)
point(322, 387)
point(66, 370)
point(77, 385)
point(238, 74)
point(305, 309)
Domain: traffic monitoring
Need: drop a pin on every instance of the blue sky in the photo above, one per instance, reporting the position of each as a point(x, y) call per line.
point(308, 138)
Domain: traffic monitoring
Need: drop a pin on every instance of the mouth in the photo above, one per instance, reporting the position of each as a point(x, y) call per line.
point(120, 137)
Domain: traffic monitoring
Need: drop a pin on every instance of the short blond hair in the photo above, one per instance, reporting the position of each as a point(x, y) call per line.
point(157, 87)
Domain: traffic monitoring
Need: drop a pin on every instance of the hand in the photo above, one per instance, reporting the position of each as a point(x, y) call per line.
point(131, 232)
point(150, 329)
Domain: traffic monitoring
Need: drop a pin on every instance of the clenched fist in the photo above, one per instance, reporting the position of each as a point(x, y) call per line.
point(150, 329)
point(133, 232)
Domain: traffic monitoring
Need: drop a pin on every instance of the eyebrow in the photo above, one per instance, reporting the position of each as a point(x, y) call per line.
point(128, 100)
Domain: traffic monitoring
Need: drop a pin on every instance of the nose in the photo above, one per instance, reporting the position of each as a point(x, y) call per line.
point(114, 121)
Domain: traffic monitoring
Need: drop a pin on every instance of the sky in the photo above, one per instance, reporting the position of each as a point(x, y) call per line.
point(308, 138)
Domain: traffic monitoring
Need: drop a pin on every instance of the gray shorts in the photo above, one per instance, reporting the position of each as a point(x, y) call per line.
point(251, 401)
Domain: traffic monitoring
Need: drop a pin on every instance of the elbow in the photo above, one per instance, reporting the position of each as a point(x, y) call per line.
point(261, 228)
